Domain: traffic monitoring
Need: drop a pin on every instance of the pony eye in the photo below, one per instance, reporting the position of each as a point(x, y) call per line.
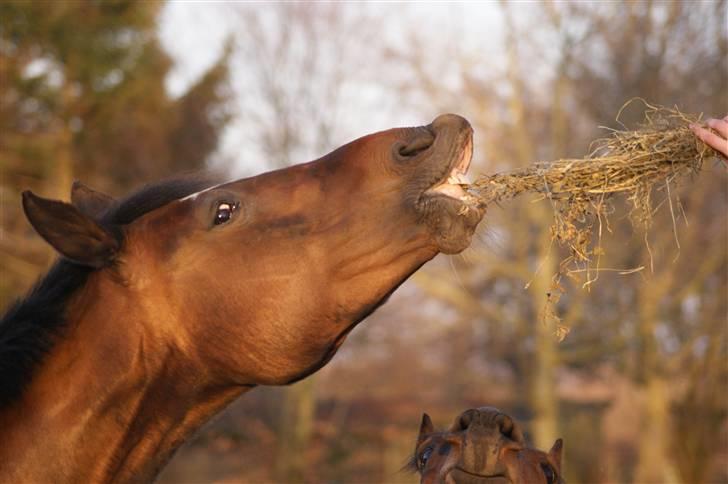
point(548, 473)
point(224, 212)
point(425, 456)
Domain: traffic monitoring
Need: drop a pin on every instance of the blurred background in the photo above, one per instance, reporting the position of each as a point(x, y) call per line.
point(118, 93)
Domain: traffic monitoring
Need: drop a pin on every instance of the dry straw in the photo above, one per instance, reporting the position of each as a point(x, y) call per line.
point(659, 152)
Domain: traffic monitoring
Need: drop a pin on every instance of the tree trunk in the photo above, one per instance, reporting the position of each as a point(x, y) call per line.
point(295, 431)
point(654, 465)
point(544, 400)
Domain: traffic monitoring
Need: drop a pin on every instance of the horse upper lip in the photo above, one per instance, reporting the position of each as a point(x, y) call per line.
point(466, 156)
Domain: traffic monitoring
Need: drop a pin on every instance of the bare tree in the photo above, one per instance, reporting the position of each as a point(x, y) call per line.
point(595, 57)
point(296, 67)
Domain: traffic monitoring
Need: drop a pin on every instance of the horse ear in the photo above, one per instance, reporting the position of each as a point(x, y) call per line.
point(426, 428)
point(555, 453)
point(73, 234)
point(90, 202)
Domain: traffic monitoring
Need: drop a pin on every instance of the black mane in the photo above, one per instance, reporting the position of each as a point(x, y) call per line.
point(30, 325)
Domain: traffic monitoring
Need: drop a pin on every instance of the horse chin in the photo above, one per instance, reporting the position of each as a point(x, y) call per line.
point(462, 476)
point(452, 221)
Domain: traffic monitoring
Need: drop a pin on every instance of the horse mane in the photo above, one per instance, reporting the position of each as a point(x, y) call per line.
point(32, 324)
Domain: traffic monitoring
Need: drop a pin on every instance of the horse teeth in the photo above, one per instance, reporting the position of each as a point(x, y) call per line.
point(457, 178)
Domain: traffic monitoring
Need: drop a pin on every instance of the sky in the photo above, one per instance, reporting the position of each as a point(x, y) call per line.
point(193, 33)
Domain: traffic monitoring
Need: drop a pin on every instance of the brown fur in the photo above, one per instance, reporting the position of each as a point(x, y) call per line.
point(171, 316)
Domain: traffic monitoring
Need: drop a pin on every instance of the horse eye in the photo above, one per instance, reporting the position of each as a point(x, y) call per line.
point(549, 473)
point(224, 212)
point(425, 456)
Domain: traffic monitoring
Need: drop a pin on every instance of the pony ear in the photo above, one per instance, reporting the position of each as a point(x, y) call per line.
point(73, 234)
point(90, 202)
point(555, 453)
point(426, 428)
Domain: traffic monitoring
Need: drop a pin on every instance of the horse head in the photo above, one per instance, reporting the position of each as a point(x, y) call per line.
point(170, 303)
point(482, 446)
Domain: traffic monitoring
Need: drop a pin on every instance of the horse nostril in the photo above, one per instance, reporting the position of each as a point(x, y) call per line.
point(465, 420)
point(510, 429)
point(506, 427)
point(416, 146)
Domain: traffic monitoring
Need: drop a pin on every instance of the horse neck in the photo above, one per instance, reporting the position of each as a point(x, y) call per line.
point(111, 401)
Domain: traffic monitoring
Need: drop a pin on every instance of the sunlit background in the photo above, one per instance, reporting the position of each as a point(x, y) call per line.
point(119, 93)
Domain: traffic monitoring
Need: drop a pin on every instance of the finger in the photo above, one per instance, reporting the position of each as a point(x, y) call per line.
point(720, 125)
point(712, 139)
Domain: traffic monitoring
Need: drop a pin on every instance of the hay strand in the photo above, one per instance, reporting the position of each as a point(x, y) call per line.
point(659, 152)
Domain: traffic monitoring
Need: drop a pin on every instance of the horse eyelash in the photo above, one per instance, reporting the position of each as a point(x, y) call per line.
point(411, 465)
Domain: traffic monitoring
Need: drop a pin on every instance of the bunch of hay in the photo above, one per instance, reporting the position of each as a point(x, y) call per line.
point(634, 163)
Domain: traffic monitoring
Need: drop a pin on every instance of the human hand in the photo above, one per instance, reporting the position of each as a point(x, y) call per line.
point(717, 141)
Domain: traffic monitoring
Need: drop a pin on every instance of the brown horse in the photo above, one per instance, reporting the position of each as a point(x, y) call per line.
point(166, 306)
point(482, 446)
